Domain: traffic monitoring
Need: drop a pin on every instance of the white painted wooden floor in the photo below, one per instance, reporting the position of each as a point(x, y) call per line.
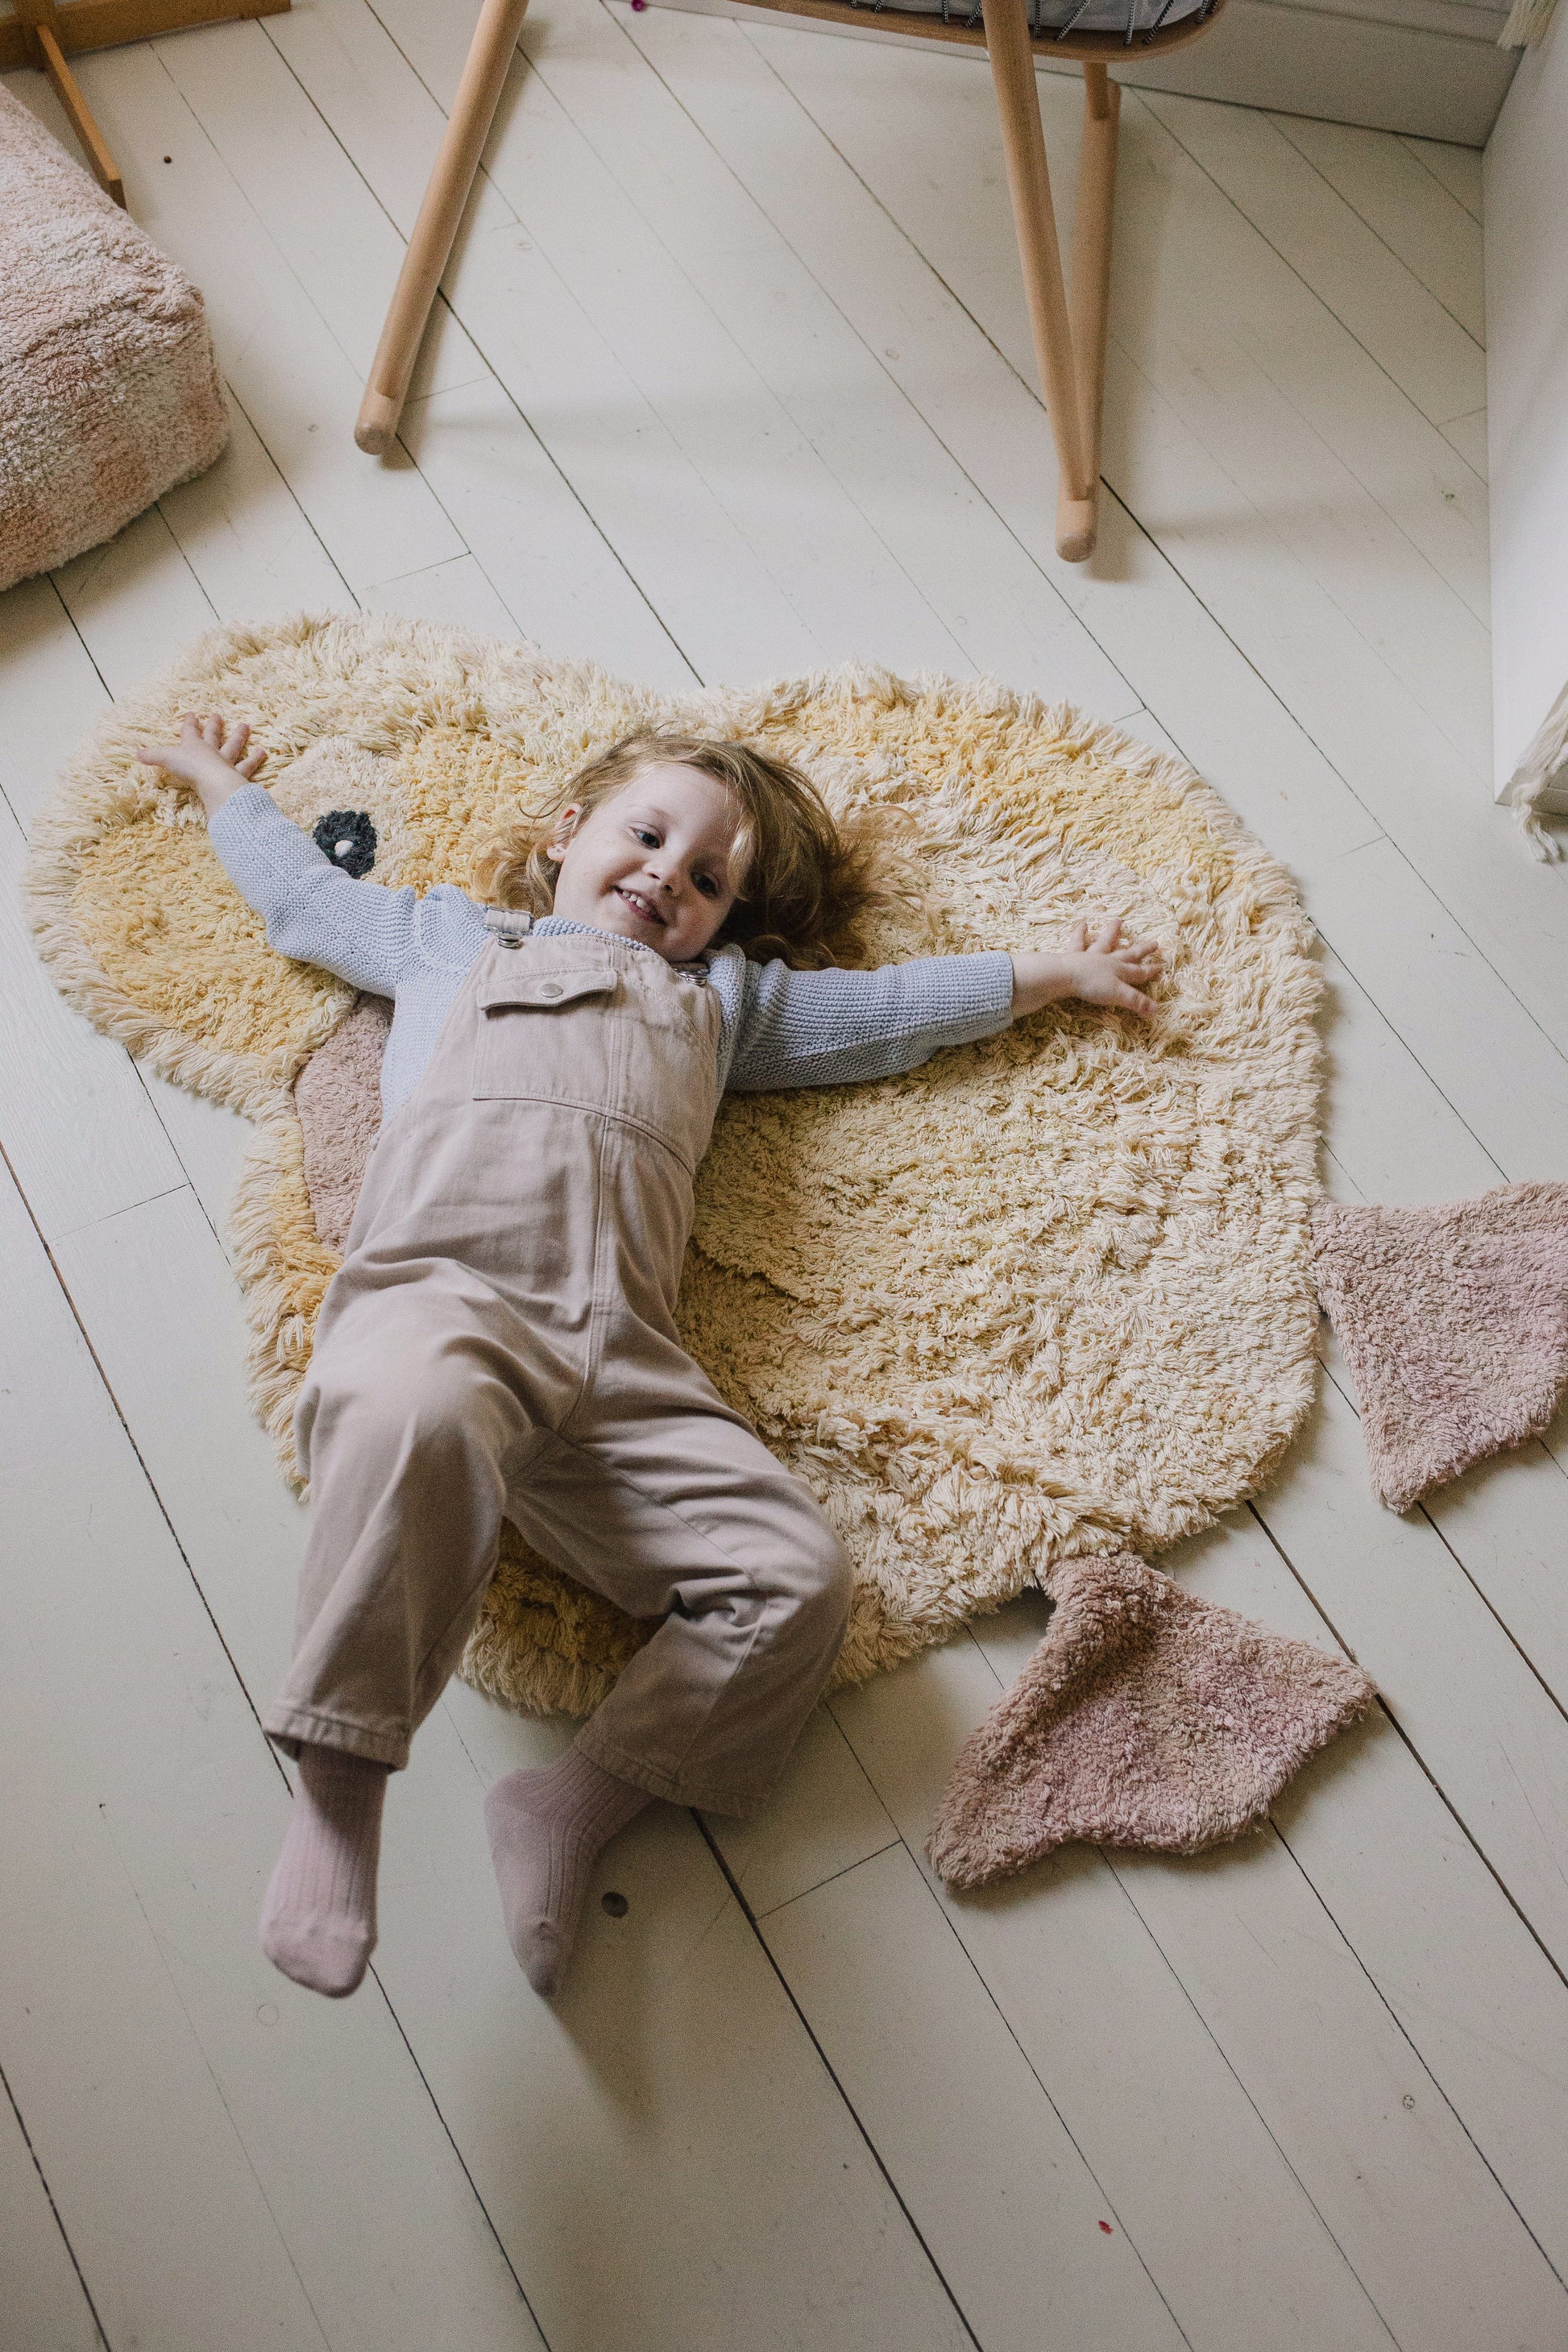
point(735, 380)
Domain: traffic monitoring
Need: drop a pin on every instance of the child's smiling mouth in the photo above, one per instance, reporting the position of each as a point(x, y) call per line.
point(642, 908)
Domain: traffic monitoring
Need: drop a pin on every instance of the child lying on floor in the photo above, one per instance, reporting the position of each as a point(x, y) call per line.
point(501, 1340)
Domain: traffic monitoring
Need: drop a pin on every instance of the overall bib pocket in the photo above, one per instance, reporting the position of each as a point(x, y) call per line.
point(526, 1052)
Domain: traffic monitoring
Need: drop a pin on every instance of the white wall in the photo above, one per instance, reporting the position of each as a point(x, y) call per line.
point(1526, 395)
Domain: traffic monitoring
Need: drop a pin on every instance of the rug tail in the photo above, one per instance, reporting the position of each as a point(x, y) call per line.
point(1454, 1322)
point(1146, 1717)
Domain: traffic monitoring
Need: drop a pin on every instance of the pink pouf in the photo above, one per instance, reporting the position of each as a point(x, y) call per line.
point(109, 389)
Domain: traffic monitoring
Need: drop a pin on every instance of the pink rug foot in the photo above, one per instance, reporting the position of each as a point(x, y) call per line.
point(1146, 1717)
point(1454, 1322)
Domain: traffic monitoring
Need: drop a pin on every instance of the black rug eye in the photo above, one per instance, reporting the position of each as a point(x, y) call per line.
point(348, 837)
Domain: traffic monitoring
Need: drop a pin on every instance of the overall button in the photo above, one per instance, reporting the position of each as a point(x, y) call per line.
point(549, 988)
point(507, 941)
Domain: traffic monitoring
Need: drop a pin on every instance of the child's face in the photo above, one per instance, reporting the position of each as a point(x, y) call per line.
point(652, 862)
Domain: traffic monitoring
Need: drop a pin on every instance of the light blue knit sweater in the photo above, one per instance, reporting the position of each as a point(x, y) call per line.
point(781, 1028)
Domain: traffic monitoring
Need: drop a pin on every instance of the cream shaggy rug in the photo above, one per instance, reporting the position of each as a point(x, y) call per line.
point(109, 390)
point(1146, 1717)
point(1050, 1295)
point(1454, 1322)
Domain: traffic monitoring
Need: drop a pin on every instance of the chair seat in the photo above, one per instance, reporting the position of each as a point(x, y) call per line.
point(1134, 20)
point(109, 389)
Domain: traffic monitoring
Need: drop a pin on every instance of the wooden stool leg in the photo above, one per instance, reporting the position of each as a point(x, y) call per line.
point(1029, 183)
point(478, 93)
point(1077, 519)
point(38, 21)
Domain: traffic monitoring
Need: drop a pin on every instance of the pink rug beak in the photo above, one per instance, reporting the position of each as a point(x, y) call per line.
point(1454, 1323)
point(1146, 1717)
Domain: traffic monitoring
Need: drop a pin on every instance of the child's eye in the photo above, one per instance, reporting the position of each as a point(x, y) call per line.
point(706, 883)
point(647, 836)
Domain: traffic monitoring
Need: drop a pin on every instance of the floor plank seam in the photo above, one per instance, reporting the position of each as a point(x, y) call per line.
point(1406, 1739)
point(850, 2108)
point(1226, 198)
point(54, 2208)
point(1444, 2096)
point(1345, 1391)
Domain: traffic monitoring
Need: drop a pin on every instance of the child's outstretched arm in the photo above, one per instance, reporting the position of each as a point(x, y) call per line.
point(213, 759)
point(1099, 968)
point(367, 934)
point(825, 1028)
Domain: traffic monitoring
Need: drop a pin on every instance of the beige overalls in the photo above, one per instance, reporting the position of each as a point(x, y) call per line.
point(500, 1343)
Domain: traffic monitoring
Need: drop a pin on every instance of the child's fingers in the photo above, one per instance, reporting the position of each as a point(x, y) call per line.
point(1109, 936)
point(235, 741)
point(248, 768)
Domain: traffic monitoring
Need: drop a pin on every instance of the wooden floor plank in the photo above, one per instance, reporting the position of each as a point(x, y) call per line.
point(1439, 2247)
point(1374, 293)
point(1502, 1074)
point(560, 579)
point(1390, 189)
point(1476, 1714)
point(246, 538)
point(1194, 2176)
point(980, 583)
point(1449, 1954)
point(77, 1131)
point(1026, 2235)
point(1457, 169)
point(50, 694)
point(131, 598)
point(290, 373)
point(234, 2161)
point(315, 206)
point(44, 2306)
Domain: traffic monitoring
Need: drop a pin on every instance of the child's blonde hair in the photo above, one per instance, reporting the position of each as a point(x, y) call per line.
point(798, 884)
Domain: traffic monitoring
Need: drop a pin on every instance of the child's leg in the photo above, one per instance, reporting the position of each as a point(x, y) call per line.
point(547, 1828)
point(411, 1424)
point(408, 1431)
point(318, 1920)
point(688, 1517)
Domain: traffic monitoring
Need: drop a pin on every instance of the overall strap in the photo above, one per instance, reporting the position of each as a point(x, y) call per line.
point(509, 924)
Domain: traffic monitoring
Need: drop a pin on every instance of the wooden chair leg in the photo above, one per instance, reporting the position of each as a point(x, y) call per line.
point(1069, 349)
point(1077, 519)
point(1034, 220)
point(478, 93)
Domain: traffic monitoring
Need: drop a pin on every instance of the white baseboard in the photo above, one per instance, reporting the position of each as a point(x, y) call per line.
point(1430, 68)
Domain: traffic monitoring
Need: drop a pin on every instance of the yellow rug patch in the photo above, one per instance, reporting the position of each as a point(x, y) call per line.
point(1049, 1294)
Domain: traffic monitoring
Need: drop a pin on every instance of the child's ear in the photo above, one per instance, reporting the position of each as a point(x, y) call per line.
point(567, 824)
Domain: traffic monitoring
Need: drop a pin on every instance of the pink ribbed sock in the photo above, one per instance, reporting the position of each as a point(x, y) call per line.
point(318, 1919)
point(547, 1830)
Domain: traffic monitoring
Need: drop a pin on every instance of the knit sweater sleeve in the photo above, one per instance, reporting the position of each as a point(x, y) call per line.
point(367, 934)
point(821, 1028)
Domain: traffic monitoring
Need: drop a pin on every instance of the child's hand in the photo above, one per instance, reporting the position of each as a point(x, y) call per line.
point(214, 762)
point(1099, 968)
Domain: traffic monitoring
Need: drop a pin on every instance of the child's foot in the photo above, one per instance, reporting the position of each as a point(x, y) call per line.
point(318, 1920)
point(547, 1830)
